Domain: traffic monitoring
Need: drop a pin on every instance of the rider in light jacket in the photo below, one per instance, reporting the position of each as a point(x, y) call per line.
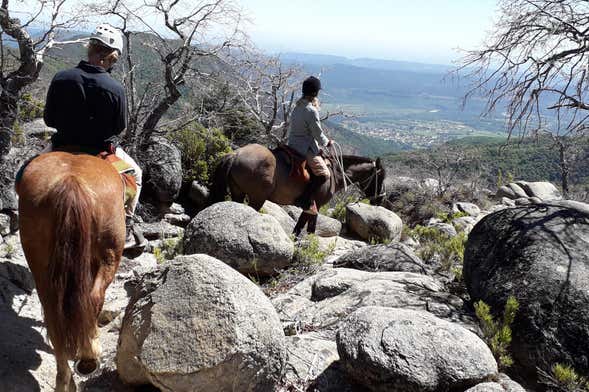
point(306, 136)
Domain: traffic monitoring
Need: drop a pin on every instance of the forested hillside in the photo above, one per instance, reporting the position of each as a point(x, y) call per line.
point(496, 160)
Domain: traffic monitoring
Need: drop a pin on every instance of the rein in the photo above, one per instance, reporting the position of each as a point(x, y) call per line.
point(338, 157)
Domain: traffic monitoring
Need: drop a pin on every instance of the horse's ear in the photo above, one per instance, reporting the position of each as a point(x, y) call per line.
point(378, 163)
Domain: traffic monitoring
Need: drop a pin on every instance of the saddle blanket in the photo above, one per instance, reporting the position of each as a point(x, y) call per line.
point(126, 172)
point(296, 162)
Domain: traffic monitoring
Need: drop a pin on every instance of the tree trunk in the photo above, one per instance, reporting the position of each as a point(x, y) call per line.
point(8, 113)
point(14, 82)
point(564, 168)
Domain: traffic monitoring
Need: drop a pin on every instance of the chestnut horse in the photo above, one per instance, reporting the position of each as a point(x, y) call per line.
point(72, 227)
point(254, 171)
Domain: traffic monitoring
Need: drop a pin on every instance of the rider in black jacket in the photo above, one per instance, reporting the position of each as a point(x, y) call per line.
point(89, 109)
point(86, 106)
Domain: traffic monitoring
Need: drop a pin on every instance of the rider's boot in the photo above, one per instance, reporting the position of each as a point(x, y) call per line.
point(303, 219)
point(134, 238)
point(312, 224)
point(305, 200)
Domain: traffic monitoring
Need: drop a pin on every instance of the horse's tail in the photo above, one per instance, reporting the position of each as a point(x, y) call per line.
point(70, 265)
point(220, 179)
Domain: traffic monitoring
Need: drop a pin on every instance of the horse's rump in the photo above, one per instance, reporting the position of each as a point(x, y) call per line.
point(63, 217)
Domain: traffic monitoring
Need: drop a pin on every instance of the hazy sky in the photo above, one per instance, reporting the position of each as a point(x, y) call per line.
point(413, 30)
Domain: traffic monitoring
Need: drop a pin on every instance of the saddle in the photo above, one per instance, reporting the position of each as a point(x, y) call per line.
point(296, 162)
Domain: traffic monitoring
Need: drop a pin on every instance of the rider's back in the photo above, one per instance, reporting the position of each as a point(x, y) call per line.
point(86, 106)
point(304, 129)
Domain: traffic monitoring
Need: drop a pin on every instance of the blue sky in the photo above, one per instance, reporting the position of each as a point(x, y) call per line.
point(418, 30)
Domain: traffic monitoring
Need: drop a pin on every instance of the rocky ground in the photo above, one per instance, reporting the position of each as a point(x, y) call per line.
point(228, 300)
point(328, 313)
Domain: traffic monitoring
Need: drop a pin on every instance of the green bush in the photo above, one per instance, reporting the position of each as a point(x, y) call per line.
point(170, 248)
point(435, 243)
point(339, 204)
point(200, 148)
point(498, 334)
point(308, 251)
point(567, 378)
point(448, 217)
point(29, 108)
point(18, 134)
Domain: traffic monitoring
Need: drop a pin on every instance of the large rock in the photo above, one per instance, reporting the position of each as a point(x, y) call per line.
point(464, 223)
point(540, 191)
point(160, 230)
point(250, 242)
point(197, 322)
point(445, 228)
point(405, 350)
point(308, 357)
point(543, 190)
point(375, 258)
point(539, 254)
point(320, 302)
point(502, 383)
point(280, 215)
point(467, 208)
point(162, 170)
point(326, 226)
point(373, 223)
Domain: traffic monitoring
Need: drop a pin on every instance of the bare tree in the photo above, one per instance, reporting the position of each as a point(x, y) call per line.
point(534, 64)
point(179, 34)
point(22, 54)
point(446, 165)
point(266, 88)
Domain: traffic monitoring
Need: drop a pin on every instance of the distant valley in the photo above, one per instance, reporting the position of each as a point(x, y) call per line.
point(406, 105)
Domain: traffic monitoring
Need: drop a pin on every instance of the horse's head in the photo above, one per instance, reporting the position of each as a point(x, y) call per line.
point(369, 175)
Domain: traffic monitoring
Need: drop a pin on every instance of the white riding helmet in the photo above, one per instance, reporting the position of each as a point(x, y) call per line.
point(109, 36)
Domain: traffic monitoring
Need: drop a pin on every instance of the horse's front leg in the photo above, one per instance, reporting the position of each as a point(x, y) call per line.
point(64, 381)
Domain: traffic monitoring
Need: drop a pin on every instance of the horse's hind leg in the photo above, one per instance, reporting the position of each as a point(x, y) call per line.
point(64, 381)
point(89, 357)
point(237, 195)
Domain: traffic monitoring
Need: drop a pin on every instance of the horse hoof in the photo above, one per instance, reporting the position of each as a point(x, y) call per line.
point(86, 367)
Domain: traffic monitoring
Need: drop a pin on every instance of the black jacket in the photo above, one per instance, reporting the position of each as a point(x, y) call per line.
point(86, 106)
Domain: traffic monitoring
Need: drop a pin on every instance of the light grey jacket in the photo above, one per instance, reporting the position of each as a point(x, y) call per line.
point(305, 133)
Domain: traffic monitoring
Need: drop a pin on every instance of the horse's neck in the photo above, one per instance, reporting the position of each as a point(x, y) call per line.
point(354, 173)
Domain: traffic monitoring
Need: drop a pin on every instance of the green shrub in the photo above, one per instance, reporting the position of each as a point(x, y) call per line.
point(169, 249)
point(30, 108)
point(18, 134)
point(448, 217)
point(308, 251)
point(200, 148)
point(567, 378)
point(498, 334)
point(435, 243)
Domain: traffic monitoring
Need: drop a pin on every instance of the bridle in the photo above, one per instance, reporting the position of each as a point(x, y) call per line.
point(338, 157)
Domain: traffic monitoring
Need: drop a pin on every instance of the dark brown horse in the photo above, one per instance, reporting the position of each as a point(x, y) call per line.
point(254, 171)
point(72, 227)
